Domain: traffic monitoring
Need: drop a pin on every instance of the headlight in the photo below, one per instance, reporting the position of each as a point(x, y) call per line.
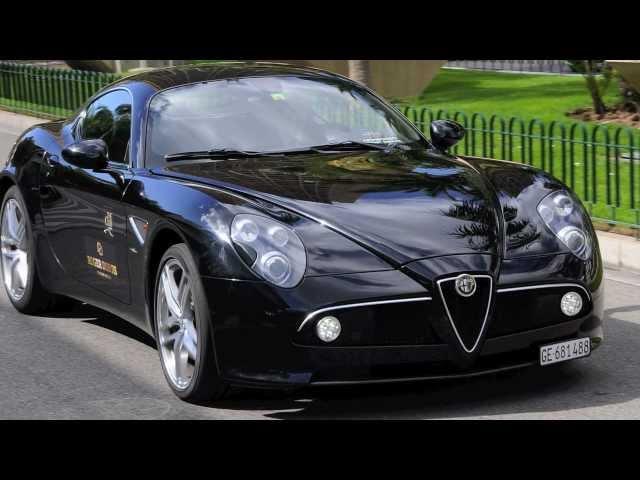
point(565, 219)
point(271, 249)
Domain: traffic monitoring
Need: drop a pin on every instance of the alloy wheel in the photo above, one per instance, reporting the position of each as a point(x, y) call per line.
point(13, 242)
point(176, 323)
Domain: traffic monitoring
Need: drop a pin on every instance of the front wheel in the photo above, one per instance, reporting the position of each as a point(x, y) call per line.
point(183, 329)
point(19, 273)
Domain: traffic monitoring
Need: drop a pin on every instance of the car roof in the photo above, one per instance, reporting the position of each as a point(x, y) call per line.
point(169, 77)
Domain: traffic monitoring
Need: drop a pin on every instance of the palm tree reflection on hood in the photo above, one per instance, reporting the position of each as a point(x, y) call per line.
point(520, 233)
point(520, 230)
point(481, 231)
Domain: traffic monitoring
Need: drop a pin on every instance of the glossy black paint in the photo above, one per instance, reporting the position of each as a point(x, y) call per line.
point(377, 226)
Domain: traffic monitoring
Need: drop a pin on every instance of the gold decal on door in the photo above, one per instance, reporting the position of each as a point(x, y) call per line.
point(108, 222)
point(102, 266)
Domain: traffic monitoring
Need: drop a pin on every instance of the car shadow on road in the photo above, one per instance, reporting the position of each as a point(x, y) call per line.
point(100, 318)
point(610, 376)
point(123, 327)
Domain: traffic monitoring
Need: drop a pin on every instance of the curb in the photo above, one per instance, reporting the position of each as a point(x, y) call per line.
point(618, 251)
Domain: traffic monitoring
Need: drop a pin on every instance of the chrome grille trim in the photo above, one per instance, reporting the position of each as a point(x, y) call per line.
point(363, 304)
point(546, 285)
point(486, 313)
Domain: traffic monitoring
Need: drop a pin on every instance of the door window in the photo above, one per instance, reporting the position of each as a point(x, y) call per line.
point(109, 118)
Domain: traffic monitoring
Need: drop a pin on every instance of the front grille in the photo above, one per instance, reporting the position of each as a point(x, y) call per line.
point(411, 324)
point(467, 314)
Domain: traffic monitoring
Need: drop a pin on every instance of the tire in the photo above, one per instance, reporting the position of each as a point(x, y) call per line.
point(30, 298)
point(177, 322)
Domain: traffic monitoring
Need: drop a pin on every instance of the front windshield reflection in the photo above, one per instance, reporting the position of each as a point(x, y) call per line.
point(270, 114)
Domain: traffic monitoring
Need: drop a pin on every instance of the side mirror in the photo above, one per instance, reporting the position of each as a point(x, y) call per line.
point(446, 133)
point(87, 154)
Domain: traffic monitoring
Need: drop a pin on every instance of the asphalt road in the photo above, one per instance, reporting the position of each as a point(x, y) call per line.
point(87, 364)
point(6, 142)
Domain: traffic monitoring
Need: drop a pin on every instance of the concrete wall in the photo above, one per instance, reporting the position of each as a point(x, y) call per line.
point(630, 71)
point(390, 78)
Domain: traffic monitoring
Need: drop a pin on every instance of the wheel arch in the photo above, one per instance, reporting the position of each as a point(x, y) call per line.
point(6, 182)
point(163, 237)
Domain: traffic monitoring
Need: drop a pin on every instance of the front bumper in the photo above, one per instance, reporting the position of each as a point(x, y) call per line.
point(258, 343)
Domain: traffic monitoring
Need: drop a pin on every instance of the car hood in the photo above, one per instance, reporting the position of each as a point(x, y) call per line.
point(403, 205)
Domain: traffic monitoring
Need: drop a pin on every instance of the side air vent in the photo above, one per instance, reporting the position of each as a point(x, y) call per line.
point(140, 228)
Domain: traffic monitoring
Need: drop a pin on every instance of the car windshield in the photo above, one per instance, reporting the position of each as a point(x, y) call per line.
point(270, 114)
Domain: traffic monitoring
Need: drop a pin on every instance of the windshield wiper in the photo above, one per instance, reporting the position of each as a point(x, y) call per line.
point(348, 145)
point(214, 153)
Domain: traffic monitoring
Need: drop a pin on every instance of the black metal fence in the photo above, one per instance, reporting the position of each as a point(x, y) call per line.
point(600, 162)
point(47, 92)
point(534, 66)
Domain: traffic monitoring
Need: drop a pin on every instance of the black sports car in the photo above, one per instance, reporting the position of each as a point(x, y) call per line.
point(275, 226)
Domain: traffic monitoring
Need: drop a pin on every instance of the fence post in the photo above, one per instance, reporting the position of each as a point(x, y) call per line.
point(532, 124)
point(550, 134)
point(483, 123)
point(492, 121)
point(465, 123)
point(523, 130)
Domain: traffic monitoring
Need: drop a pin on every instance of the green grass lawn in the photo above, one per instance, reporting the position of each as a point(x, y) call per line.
point(545, 97)
point(34, 109)
point(589, 160)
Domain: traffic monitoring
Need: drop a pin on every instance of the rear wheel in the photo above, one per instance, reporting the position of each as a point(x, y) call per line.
point(19, 273)
point(183, 329)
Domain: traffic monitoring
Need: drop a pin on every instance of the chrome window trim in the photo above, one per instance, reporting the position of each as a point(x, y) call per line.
point(486, 314)
point(546, 285)
point(363, 304)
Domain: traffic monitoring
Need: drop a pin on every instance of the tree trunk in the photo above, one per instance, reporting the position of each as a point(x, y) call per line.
point(359, 70)
point(592, 85)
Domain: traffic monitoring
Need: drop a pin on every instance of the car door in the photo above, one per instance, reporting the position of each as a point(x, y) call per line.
point(82, 209)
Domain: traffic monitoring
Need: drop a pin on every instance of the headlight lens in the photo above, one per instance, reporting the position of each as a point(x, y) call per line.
point(563, 205)
point(565, 219)
point(271, 249)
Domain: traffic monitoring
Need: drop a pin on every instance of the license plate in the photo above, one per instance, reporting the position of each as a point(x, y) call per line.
point(564, 351)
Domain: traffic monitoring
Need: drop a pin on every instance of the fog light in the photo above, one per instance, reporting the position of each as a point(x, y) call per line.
point(328, 329)
point(571, 304)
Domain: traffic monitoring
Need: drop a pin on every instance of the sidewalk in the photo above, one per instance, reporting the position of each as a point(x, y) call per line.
point(14, 123)
point(618, 251)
